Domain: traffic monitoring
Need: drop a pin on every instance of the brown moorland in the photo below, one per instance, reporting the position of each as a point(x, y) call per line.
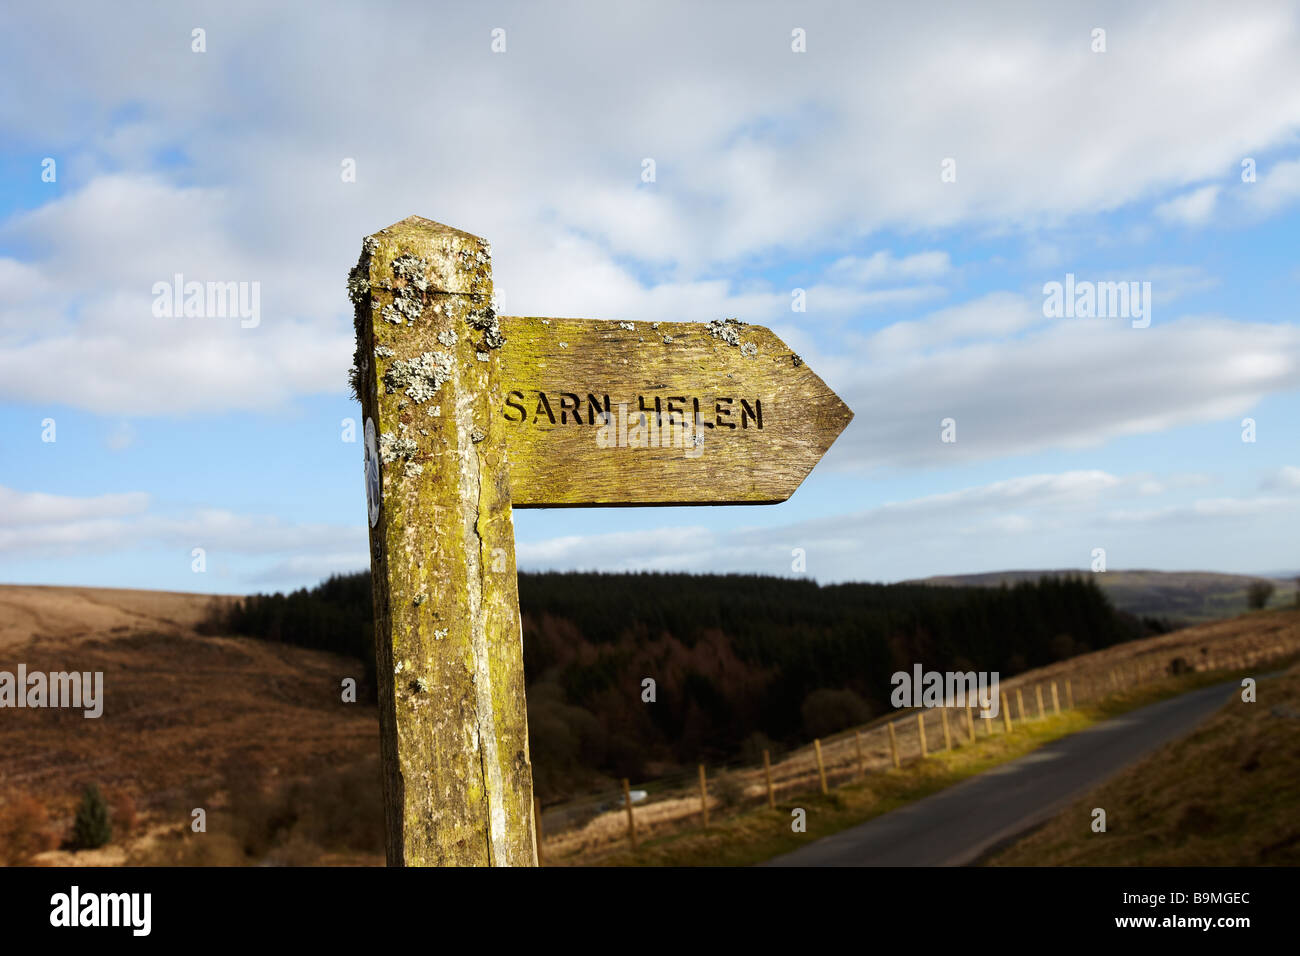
point(256, 732)
point(185, 715)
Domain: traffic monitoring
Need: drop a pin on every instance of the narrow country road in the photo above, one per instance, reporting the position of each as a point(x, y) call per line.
point(957, 825)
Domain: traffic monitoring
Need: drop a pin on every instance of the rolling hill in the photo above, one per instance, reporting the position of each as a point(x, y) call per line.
point(1180, 596)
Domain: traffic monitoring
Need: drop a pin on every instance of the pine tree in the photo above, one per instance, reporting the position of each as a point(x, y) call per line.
point(92, 827)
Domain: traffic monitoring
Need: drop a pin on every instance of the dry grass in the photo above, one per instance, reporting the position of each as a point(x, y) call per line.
point(25, 830)
point(33, 611)
point(178, 706)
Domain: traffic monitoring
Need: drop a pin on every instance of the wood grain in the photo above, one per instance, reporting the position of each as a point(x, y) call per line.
point(764, 417)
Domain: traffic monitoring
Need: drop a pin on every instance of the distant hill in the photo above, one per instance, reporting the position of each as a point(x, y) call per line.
point(1182, 596)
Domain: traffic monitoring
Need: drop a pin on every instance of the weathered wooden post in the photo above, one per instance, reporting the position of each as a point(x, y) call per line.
point(453, 724)
point(970, 722)
point(1056, 700)
point(704, 796)
point(1038, 691)
point(1006, 714)
point(767, 773)
point(723, 412)
point(893, 745)
point(821, 768)
point(631, 820)
point(1020, 704)
point(920, 732)
point(1069, 694)
point(857, 740)
point(947, 734)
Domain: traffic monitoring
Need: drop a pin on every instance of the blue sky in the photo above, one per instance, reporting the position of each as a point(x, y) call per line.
point(775, 170)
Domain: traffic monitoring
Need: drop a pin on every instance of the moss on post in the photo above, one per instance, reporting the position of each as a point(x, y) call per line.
point(454, 735)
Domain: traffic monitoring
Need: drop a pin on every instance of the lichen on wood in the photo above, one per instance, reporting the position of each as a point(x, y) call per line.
point(420, 377)
point(454, 738)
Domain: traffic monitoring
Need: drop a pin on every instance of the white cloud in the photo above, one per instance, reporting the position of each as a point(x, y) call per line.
point(64, 538)
point(884, 266)
point(307, 568)
point(221, 530)
point(29, 508)
point(843, 301)
point(1191, 208)
point(1169, 283)
point(35, 524)
point(105, 247)
point(1065, 383)
point(1286, 477)
point(1049, 520)
point(1197, 512)
point(625, 550)
point(1275, 189)
point(990, 317)
point(121, 437)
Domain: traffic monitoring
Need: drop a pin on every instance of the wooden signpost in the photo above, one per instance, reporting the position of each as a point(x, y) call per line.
point(468, 414)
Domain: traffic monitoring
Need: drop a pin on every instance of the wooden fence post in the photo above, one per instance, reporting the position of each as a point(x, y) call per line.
point(452, 718)
point(537, 826)
point(857, 739)
point(1056, 700)
point(1069, 694)
point(821, 769)
point(893, 745)
point(767, 773)
point(920, 730)
point(631, 820)
point(1038, 691)
point(970, 722)
point(1006, 713)
point(1020, 705)
point(704, 796)
point(947, 735)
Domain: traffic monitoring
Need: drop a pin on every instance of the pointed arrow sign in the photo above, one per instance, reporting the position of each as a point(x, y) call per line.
point(640, 413)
